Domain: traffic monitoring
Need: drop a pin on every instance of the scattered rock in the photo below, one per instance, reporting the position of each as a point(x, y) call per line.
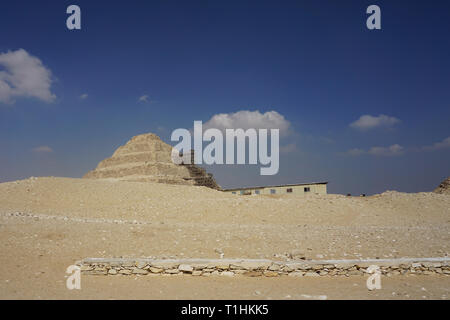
point(139, 271)
point(171, 271)
point(141, 264)
point(274, 267)
point(185, 268)
point(253, 274)
point(296, 274)
point(297, 254)
point(125, 272)
point(156, 270)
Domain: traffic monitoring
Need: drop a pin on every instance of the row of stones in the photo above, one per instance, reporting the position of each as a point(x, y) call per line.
point(258, 269)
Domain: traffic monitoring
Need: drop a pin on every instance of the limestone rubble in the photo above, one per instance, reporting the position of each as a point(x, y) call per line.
point(264, 267)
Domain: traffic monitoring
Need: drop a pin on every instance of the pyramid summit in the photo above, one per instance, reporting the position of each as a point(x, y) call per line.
point(444, 187)
point(147, 158)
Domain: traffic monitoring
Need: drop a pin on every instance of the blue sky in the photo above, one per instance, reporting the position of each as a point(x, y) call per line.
point(313, 62)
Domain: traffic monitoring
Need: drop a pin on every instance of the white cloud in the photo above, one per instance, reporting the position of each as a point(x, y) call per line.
point(394, 150)
point(245, 119)
point(84, 96)
point(143, 98)
point(438, 145)
point(42, 149)
point(367, 122)
point(289, 148)
point(24, 75)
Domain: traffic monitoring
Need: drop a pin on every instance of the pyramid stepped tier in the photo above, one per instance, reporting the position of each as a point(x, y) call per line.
point(147, 158)
point(444, 187)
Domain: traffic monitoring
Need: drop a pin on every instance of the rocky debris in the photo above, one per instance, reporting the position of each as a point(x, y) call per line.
point(444, 187)
point(296, 274)
point(172, 271)
point(253, 273)
point(139, 271)
point(185, 268)
point(155, 270)
point(141, 264)
point(297, 254)
point(258, 268)
point(125, 271)
point(311, 274)
point(147, 158)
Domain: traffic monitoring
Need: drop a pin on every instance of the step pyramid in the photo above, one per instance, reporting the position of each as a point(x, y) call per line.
point(146, 158)
point(444, 187)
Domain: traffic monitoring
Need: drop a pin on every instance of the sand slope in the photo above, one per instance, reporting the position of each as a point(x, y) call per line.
point(200, 217)
point(48, 223)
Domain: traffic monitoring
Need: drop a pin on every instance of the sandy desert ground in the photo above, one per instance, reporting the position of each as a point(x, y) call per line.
point(46, 224)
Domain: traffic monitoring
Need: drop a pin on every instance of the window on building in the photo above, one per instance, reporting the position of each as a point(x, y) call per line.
point(242, 192)
point(233, 192)
point(307, 189)
point(256, 191)
point(272, 191)
point(289, 190)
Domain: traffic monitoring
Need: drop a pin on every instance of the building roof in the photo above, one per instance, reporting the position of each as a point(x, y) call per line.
point(276, 186)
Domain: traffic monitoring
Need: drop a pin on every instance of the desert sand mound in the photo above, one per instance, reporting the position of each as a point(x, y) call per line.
point(444, 187)
point(46, 224)
point(147, 158)
point(117, 199)
point(191, 221)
